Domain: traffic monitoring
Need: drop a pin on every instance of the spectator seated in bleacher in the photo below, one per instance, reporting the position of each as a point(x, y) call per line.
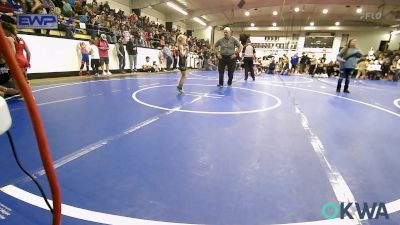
point(68, 25)
point(285, 67)
point(4, 91)
point(320, 71)
point(330, 68)
point(6, 8)
point(48, 5)
point(210, 65)
point(66, 10)
point(17, 8)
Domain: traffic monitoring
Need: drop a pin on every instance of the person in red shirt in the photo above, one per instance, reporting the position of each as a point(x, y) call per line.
point(7, 86)
point(103, 52)
point(23, 62)
point(20, 46)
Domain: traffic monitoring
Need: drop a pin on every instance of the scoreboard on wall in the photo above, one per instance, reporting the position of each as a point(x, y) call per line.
point(319, 40)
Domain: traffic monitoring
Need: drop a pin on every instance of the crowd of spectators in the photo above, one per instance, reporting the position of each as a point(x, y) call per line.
point(374, 65)
point(94, 19)
point(98, 19)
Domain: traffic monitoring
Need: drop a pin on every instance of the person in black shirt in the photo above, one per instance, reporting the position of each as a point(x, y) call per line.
point(206, 57)
point(131, 48)
point(121, 54)
point(271, 67)
point(385, 68)
point(303, 62)
point(330, 68)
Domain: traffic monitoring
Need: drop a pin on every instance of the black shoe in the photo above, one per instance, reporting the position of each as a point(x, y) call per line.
point(346, 91)
point(179, 89)
point(220, 85)
point(229, 85)
point(337, 90)
point(254, 79)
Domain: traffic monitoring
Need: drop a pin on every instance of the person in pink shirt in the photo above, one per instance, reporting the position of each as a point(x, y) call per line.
point(103, 52)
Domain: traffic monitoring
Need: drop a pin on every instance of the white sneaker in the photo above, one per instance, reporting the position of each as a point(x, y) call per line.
point(104, 73)
point(109, 73)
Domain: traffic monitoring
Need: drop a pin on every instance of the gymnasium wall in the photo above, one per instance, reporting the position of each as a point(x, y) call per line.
point(50, 55)
point(181, 25)
point(395, 42)
point(368, 39)
point(202, 32)
point(121, 4)
point(162, 18)
point(124, 5)
point(154, 15)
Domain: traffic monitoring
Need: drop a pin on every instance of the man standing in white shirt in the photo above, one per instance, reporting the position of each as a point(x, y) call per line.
point(248, 58)
point(94, 57)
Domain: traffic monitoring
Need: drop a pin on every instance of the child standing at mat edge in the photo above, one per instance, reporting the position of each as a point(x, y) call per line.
point(182, 54)
point(85, 58)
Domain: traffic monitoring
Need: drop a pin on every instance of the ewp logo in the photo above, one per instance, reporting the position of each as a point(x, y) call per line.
point(377, 210)
point(37, 21)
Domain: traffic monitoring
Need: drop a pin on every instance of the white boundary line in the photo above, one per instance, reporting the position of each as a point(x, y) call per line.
point(97, 145)
point(337, 96)
point(206, 96)
point(106, 80)
point(339, 186)
point(199, 93)
point(278, 102)
point(63, 100)
point(205, 77)
point(335, 83)
point(146, 85)
point(336, 180)
point(52, 102)
point(308, 80)
point(105, 218)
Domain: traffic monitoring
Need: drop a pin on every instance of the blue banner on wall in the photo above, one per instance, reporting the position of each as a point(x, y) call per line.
point(37, 21)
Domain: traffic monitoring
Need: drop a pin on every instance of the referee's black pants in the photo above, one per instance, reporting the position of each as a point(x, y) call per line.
point(223, 62)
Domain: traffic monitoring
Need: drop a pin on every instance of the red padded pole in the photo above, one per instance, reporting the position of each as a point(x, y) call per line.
point(40, 134)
